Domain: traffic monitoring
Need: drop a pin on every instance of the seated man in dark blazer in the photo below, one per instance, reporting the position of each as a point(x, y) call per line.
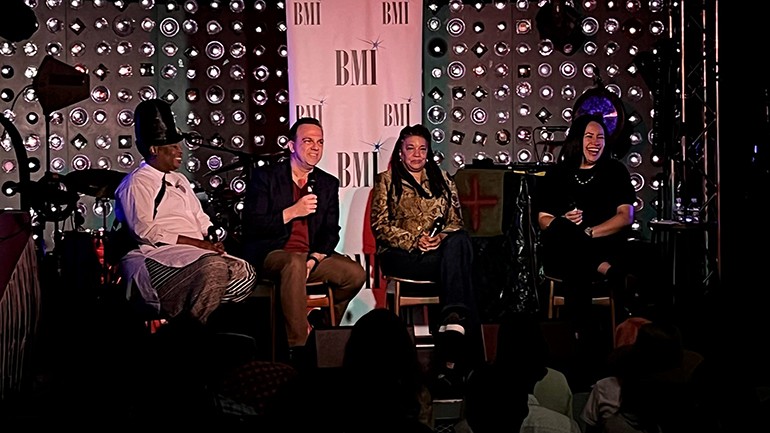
point(291, 228)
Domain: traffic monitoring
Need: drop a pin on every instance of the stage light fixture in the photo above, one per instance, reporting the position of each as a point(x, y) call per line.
point(436, 114)
point(479, 49)
point(125, 141)
point(79, 116)
point(479, 116)
point(126, 160)
point(524, 156)
point(237, 141)
point(7, 71)
point(458, 114)
point(54, 48)
point(438, 135)
point(147, 24)
point(126, 118)
point(543, 115)
point(170, 97)
point(502, 48)
point(7, 48)
point(437, 47)
point(104, 163)
point(523, 89)
point(81, 162)
point(10, 188)
point(100, 117)
point(54, 25)
point(632, 28)
point(480, 93)
point(568, 70)
point(457, 137)
point(32, 118)
point(30, 49)
point(455, 27)
point(237, 6)
point(456, 70)
point(168, 72)
point(103, 142)
point(237, 96)
point(213, 72)
point(217, 118)
point(436, 94)
point(7, 95)
point(32, 142)
point(77, 26)
point(9, 166)
point(146, 69)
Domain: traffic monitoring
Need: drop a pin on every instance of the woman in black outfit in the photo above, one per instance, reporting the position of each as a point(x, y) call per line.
point(585, 210)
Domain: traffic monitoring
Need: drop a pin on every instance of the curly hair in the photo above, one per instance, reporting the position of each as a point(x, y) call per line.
point(437, 184)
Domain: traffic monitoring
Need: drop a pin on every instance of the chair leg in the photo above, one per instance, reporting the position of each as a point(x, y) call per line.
point(332, 315)
point(397, 298)
point(612, 315)
point(550, 299)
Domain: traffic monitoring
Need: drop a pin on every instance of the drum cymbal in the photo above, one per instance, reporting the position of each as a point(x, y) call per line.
point(98, 182)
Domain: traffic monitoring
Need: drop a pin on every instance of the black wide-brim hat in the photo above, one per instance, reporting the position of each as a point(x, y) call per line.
point(154, 125)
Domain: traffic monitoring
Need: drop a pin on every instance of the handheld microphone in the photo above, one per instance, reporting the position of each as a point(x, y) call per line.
point(438, 225)
point(310, 185)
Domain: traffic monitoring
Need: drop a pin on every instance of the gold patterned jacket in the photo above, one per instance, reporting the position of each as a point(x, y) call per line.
point(401, 226)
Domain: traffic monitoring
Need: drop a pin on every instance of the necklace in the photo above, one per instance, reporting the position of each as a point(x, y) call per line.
point(584, 182)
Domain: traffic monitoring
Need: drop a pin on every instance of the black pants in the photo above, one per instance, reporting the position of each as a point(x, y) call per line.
point(451, 266)
point(573, 256)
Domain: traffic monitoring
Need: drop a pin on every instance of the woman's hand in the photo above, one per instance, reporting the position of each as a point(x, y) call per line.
point(575, 215)
point(428, 243)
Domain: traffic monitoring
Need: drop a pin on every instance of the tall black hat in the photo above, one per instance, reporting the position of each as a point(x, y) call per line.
point(154, 125)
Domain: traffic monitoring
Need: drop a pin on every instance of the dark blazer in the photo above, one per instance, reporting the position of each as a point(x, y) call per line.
point(270, 192)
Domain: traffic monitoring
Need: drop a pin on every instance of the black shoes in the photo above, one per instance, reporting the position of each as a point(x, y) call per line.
point(451, 353)
point(318, 319)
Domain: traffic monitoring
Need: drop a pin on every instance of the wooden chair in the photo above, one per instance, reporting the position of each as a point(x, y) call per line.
point(555, 301)
point(320, 294)
point(399, 300)
point(396, 300)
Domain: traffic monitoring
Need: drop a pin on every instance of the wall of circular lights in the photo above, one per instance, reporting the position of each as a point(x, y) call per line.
point(221, 64)
point(505, 79)
point(499, 84)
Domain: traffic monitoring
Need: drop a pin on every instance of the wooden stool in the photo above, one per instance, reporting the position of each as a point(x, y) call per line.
point(555, 301)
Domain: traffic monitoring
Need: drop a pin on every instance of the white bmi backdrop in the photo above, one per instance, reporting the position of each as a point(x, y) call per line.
point(357, 67)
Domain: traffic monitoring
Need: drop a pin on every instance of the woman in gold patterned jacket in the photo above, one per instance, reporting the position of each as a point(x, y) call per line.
point(418, 227)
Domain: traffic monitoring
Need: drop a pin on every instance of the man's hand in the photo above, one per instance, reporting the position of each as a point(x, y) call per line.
point(306, 205)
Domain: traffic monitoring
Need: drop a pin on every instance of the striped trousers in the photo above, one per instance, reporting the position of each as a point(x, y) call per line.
point(198, 288)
